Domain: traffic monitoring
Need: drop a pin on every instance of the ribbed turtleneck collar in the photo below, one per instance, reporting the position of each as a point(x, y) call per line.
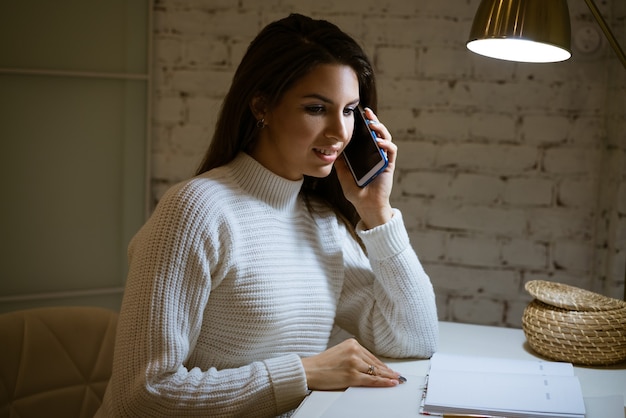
point(263, 183)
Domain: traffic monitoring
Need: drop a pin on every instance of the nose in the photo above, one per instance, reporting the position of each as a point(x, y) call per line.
point(340, 127)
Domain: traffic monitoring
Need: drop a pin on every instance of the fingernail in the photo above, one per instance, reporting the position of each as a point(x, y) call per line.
point(401, 379)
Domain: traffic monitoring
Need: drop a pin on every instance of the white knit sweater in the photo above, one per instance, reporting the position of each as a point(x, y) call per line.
point(232, 280)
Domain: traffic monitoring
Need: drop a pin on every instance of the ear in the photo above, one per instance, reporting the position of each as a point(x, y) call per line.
point(258, 106)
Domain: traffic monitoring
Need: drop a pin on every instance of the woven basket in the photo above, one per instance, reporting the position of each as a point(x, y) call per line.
point(566, 323)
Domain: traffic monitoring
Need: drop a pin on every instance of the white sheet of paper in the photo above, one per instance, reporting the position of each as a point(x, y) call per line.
point(459, 363)
point(398, 401)
point(508, 387)
point(506, 393)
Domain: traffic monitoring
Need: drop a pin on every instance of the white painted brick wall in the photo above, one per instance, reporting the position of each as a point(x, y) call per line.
point(528, 191)
point(524, 253)
point(507, 172)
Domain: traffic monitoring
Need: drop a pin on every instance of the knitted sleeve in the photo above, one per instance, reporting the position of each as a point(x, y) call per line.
point(393, 310)
point(168, 286)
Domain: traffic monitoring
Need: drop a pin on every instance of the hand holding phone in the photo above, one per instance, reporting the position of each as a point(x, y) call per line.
point(362, 154)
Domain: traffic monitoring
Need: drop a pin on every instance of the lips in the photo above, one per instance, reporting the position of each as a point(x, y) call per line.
point(325, 151)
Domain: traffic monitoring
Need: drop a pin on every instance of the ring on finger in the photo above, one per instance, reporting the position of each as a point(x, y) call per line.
point(371, 370)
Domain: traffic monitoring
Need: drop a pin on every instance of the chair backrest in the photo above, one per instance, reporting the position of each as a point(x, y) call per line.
point(55, 361)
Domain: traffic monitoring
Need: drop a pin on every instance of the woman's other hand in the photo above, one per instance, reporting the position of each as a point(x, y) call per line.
point(347, 364)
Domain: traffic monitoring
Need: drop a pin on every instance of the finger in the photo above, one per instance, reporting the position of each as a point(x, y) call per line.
point(375, 125)
point(380, 130)
point(370, 115)
point(387, 145)
point(371, 366)
point(371, 370)
point(390, 149)
point(375, 367)
point(373, 377)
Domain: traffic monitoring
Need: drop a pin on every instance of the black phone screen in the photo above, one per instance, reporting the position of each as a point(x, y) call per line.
point(364, 157)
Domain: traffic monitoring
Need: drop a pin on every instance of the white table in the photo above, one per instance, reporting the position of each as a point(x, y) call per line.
point(484, 341)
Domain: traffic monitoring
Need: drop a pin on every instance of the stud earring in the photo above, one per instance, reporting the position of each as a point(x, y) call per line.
point(260, 123)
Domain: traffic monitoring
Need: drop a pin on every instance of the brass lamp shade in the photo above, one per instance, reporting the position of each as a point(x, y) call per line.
point(522, 30)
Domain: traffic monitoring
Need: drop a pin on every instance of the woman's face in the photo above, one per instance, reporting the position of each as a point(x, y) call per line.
point(308, 129)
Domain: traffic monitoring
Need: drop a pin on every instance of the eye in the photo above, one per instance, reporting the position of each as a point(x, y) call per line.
point(315, 109)
point(349, 111)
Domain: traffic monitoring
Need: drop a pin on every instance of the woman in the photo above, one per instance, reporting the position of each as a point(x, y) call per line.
point(239, 276)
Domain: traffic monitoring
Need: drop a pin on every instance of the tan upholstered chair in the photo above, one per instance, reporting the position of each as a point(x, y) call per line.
point(55, 362)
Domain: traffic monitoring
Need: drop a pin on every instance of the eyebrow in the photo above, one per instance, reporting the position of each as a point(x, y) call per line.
point(324, 98)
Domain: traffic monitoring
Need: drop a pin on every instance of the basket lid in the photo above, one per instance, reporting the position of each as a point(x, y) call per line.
point(571, 297)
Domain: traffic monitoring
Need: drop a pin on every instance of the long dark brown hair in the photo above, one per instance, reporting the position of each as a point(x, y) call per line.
point(281, 54)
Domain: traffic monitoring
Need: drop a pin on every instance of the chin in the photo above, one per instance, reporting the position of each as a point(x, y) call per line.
point(320, 174)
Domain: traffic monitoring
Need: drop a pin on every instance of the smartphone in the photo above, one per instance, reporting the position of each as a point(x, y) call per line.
point(365, 159)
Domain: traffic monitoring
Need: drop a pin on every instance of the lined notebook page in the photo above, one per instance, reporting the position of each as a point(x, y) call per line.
point(467, 384)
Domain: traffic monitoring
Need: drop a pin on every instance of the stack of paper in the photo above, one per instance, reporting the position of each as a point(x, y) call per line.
point(487, 386)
